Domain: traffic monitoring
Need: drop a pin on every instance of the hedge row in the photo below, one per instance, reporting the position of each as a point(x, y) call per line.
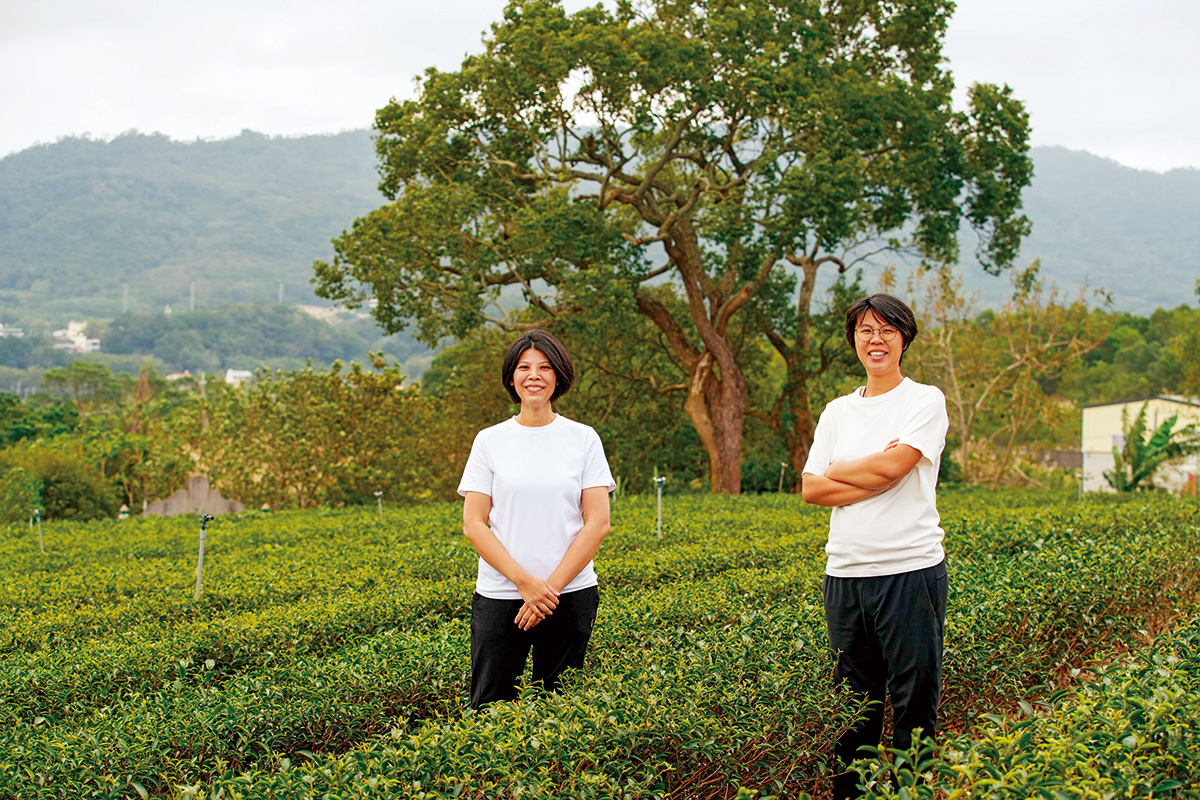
point(1130, 728)
point(708, 671)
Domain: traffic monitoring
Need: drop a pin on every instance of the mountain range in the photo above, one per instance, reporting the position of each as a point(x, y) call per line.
point(90, 228)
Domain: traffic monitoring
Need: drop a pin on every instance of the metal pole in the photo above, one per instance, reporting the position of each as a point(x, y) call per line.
point(1082, 475)
point(204, 518)
point(37, 517)
point(379, 502)
point(782, 467)
point(659, 481)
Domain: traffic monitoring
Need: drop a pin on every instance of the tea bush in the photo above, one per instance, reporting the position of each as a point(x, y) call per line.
point(1129, 729)
point(328, 653)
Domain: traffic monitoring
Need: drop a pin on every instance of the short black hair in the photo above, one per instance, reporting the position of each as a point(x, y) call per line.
point(556, 354)
point(893, 311)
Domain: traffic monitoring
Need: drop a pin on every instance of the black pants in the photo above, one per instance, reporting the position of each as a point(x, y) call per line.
point(499, 648)
point(888, 634)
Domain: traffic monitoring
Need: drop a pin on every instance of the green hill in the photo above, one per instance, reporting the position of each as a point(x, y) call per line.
point(1097, 223)
point(91, 228)
point(88, 228)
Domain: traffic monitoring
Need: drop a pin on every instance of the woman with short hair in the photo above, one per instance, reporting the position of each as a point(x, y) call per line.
point(874, 461)
point(535, 508)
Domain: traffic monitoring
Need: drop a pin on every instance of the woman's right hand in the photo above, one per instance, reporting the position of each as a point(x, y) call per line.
point(540, 601)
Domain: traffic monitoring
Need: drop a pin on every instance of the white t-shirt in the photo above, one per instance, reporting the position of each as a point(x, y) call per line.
point(535, 477)
point(896, 531)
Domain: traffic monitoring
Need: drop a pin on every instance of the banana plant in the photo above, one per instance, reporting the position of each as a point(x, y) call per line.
point(1140, 457)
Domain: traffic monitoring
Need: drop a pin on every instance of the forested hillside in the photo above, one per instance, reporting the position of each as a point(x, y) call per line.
point(90, 227)
point(1097, 223)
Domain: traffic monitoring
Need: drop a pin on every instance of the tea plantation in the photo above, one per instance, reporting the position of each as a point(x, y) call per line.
point(328, 657)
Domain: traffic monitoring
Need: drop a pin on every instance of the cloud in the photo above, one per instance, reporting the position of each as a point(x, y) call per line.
point(1107, 77)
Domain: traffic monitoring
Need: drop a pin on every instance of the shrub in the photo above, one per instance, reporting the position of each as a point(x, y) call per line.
point(71, 487)
point(20, 492)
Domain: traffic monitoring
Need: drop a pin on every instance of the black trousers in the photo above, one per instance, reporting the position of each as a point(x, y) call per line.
point(888, 634)
point(499, 648)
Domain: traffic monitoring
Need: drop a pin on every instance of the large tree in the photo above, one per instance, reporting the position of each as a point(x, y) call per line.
point(734, 148)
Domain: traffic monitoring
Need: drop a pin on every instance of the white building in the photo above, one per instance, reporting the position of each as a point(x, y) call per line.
point(236, 377)
point(1104, 429)
point(74, 338)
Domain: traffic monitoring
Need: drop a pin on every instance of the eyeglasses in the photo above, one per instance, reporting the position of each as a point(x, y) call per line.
point(865, 334)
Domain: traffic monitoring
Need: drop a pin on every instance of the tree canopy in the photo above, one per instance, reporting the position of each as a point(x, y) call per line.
point(732, 149)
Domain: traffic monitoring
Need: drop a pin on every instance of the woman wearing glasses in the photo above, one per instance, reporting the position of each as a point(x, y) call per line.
point(874, 462)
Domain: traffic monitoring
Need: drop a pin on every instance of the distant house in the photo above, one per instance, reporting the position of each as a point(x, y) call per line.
point(1104, 429)
point(11, 330)
point(236, 377)
point(74, 338)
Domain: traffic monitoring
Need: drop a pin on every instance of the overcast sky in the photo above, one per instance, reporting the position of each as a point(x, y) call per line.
point(1117, 79)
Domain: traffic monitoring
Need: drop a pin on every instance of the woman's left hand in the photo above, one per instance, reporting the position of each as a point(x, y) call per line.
point(528, 616)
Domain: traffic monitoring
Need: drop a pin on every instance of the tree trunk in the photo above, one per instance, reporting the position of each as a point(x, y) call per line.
point(716, 397)
point(792, 418)
point(717, 408)
point(727, 410)
point(799, 434)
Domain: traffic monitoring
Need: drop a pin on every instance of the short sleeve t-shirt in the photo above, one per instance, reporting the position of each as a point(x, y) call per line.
point(899, 530)
point(535, 477)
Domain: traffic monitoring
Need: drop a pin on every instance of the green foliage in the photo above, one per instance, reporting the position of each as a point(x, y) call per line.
point(20, 493)
point(72, 487)
point(736, 141)
point(1145, 451)
point(1140, 357)
point(329, 655)
point(1001, 370)
point(40, 416)
point(1128, 729)
point(306, 438)
point(89, 385)
point(102, 428)
point(30, 351)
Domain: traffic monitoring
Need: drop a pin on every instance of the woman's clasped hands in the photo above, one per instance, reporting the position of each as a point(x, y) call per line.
point(540, 601)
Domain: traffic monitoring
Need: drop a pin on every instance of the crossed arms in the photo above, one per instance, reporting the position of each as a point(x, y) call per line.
point(848, 482)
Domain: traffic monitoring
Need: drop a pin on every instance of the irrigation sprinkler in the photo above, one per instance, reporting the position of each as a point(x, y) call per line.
point(379, 502)
point(37, 520)
point(782, 467)
point(659, 481)
point(204, 518)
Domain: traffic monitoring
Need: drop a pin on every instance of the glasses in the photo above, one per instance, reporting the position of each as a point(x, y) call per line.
point(865, 334)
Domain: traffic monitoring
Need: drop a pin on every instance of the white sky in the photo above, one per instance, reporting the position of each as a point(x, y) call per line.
point(1114, 78)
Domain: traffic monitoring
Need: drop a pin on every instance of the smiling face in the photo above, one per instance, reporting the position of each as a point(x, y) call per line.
point(879, 357)
point(534, 379)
